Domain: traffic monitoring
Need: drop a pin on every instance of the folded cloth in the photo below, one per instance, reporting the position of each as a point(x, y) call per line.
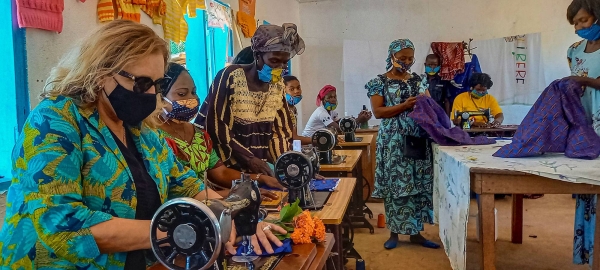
point(434, 120)
point(285, 248)
point(556, 123)
point(324, 185)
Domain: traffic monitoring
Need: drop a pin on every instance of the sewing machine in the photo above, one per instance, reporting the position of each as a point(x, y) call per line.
point(197, 231)
point(348, 125)
point(465, 117)
point(324, 141)
point(295, 170)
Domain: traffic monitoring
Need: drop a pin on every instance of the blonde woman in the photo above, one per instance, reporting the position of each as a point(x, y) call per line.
point(89, 168)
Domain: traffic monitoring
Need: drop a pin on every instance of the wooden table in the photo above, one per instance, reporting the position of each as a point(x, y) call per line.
point(487, 182)
point(501, 131)
point(367, 156)
point(372, 131)
point(346, 168)
point(308, 256)
point(323, 252)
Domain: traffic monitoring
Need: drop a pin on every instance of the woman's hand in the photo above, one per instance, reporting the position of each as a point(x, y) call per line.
point(264, 234)
point(270, 182)
point(319, 177)
point(409, 103)
point(259, 166)
point(267, 195)
point(363, 116)
point(582, 80)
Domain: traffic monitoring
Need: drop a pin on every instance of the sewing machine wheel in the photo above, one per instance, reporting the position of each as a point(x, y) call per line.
point(293, 169)
point(324, 140)
point(348, 124)
point(193, 235)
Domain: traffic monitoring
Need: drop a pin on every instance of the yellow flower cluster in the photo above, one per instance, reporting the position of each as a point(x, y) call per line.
point(307, 228)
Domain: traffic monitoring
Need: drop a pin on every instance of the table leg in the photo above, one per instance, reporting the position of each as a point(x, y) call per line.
point(487, 232)
point(338, 246)
point(596, 255)
point(358, 205)
point(517, 219)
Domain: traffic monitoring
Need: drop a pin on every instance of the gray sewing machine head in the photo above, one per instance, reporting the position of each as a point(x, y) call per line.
point(348, 125)
point(466, 116)
point(324, 141)
point(196, 231)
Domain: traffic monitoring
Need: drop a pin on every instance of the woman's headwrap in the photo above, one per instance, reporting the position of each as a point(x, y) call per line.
point(273, 38)
point(173, 72)
point(396, 46)
point(324, 91)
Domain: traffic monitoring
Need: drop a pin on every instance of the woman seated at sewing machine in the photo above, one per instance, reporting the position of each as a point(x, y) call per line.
point(89, 170)
point(325, 115)
point(478, 100)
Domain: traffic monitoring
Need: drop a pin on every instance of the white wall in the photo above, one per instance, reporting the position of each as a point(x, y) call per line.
point(325, 25)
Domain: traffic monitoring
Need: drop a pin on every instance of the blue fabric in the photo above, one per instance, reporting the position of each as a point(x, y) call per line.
point(396, 46)
point(463, 79)
point(316, 185)
point(285, 248)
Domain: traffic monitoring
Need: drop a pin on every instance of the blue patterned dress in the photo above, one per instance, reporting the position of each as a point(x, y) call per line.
point(405, 184)
point(586, 65)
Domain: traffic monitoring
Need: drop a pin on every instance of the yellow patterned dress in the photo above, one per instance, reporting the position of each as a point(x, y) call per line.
point(69, 175)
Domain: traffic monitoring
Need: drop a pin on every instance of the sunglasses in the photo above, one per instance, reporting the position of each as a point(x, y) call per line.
point(143, 84)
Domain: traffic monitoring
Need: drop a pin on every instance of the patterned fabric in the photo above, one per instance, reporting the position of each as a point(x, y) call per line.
point(584, 64)
point(452, 56)
point(396, 46)
point(404, 183)
point(274, 38)
point(198, 155)
point(243, 123)
point(69, 175)
point(555, 123)
point(433, 119)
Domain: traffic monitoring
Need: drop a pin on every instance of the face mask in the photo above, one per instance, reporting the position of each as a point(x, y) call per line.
point(591, 33)
point(477, 94)
point(292, 100)
point(432, 71)
point(270, 75)
point(329, 106)
point(183, 110)
point(402, 67)
point(132, 108)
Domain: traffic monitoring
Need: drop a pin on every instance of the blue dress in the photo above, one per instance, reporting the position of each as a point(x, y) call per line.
point(586, 65)
point(405, 184)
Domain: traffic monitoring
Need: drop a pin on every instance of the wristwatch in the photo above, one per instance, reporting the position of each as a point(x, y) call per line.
point(258, 176)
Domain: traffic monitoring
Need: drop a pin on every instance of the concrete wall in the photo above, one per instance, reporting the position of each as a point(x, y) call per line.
point(326, 24)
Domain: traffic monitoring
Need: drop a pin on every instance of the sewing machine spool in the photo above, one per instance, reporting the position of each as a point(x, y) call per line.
point(324, 141)
point(195, 236)
point(348, 125)
point(295, 170)
point(466, 116)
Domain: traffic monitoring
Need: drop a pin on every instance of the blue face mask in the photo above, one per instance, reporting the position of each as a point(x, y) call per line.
point(292, 100)
point(591, 33)
point(268, 74)
point(477, 94)
point(329, 106)
point(432, 71)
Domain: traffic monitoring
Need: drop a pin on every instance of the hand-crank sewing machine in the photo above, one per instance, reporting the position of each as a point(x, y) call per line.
point(348, 125)
point(197, 231)
point(324, 140)
point(465, 117)
point(295, 170)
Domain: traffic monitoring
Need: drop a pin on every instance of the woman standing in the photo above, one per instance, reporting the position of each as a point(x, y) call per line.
point(246, 113)
point(405, 183)
point(584, 62)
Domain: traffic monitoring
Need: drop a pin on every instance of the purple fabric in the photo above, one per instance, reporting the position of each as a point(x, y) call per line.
point(433, 119)
point(555, 123)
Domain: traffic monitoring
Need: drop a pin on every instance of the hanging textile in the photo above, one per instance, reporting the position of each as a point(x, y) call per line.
point(452, 56)
point(218, 14)
point(40, 14)
point(156, 10)
point(246, 23)
point(106, 10)
point(174, 24)
point(460, 83)
point(128, 11)
point(248, 7)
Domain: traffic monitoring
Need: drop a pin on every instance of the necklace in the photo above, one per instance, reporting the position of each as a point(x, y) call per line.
point(183, 136)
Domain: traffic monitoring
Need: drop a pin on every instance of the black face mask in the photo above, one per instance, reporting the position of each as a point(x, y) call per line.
point(131, 107)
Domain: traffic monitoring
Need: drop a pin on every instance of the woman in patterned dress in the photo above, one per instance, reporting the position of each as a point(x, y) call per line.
point(584, 62)
point(404, 183)
point(245, 112)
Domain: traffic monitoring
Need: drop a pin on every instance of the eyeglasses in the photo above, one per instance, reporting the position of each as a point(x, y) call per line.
point(143, 84)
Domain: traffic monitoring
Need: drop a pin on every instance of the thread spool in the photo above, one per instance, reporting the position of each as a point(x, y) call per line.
point(380, 221)
point(360, 264)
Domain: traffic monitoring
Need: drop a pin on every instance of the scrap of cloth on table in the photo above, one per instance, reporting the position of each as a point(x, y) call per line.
point(556, 123)
point(451, 189)
point(452, 57)
point(285, 248)
point(434, 120)
point(317, 185)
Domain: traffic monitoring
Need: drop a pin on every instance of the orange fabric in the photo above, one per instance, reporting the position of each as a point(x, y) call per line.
point(128, 11)
point(247, 23)
point(106, 10)
point(248, 7)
